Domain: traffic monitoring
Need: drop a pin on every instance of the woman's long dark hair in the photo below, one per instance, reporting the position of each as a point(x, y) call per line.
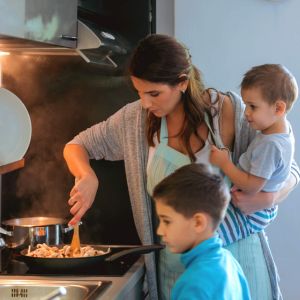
point(162, 59)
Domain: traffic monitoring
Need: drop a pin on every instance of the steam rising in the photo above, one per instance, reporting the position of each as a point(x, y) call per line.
point(44, 183)
point(64, 95)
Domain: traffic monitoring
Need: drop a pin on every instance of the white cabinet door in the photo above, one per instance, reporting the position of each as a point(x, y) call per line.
point(53, 22)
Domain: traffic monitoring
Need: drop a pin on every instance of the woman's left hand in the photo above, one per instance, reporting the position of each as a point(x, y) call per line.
point(250, 203)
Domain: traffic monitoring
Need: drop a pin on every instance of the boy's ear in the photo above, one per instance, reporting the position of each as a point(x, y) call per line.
point(200, 222)
point(280, 107)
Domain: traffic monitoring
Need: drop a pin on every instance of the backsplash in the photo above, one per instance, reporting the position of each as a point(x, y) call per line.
point(64, 95)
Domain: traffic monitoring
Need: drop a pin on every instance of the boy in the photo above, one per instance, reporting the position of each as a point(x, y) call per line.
point(190, 204)
point(269, 92)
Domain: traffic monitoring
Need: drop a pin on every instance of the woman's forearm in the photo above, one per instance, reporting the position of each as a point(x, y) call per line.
point(77, 160)
point(86, 184)
point(246, 182)
point(250, 203)
point(287, 188)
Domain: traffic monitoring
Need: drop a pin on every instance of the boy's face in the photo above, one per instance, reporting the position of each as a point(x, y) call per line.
point(176, 231)
point(259, 113)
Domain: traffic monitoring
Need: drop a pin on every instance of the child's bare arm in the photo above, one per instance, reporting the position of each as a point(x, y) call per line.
point(249, 204)
point(246, 182)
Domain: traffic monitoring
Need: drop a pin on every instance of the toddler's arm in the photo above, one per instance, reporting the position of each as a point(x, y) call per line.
point(249, 204)
point(244, 181)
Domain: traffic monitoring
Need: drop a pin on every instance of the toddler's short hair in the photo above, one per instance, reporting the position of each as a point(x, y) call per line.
point(275, 82)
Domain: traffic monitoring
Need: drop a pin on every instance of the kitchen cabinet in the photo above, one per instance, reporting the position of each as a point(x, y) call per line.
point(53, 22)
point(126, 287)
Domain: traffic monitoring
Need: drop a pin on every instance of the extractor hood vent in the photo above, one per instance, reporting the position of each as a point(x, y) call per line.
point(45, 27)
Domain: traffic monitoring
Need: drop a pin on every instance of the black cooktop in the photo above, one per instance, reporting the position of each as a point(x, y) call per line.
point(12, 264)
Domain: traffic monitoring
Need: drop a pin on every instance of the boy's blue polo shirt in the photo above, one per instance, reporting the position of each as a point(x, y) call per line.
point(211, 273)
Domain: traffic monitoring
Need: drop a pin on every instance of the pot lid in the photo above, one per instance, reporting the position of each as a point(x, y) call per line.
point(34, 221)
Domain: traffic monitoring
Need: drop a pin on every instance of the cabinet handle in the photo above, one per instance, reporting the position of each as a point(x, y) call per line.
point(68, 37)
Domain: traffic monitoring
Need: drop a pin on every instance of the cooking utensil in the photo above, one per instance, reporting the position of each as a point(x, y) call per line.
point(75, 244)
point(33, 231)
point(15, 128)
point(58, 265)
point(3, 231)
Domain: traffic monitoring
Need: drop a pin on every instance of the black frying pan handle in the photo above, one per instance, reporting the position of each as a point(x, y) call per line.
point(136, 250)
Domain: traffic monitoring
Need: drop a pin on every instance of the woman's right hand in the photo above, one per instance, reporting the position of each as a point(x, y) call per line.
point(84, 191)
point(82, 196)
point(251, 203)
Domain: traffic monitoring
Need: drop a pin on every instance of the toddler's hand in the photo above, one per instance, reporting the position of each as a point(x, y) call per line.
point(218, 156)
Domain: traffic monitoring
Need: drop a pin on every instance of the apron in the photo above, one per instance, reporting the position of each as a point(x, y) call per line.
point(164, 162)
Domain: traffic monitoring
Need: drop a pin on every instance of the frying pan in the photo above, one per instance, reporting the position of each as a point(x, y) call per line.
point(78, 263)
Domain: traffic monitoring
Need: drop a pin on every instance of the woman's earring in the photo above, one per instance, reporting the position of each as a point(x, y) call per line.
point(183, 92)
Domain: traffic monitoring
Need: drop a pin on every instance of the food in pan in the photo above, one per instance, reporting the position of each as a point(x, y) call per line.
point(45, 251)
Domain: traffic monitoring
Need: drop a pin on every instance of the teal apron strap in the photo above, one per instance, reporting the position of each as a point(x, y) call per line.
point(163, 131)
point(214, 137)
point(218, 144)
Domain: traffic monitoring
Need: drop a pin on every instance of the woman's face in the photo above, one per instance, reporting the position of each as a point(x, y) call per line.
point(158, 98)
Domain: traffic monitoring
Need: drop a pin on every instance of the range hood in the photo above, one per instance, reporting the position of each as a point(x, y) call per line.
point(53, 27)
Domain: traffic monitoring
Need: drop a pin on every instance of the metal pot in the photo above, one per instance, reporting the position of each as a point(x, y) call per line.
point(22, 232)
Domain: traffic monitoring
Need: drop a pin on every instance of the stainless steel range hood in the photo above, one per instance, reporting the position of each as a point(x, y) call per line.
point(46, 27)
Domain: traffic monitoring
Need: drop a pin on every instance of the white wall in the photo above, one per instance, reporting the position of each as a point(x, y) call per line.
point(226, 38)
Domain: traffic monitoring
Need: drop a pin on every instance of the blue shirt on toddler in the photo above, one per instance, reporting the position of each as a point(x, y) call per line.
point(211, 272)
point(270, 157)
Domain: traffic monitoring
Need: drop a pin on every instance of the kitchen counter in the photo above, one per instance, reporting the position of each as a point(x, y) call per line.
point(128, 286)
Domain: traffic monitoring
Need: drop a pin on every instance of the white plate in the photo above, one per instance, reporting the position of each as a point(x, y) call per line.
point(15, 128)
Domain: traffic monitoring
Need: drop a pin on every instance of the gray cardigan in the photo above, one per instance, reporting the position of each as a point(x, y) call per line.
point(123, 137)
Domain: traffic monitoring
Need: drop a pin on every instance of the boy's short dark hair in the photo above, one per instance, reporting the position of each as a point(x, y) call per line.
point(192, 189)
point(275, 82)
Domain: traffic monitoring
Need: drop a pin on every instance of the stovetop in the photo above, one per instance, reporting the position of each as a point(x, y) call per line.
point(11, 264)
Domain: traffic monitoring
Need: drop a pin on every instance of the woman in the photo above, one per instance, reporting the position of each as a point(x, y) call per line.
point(172, 124)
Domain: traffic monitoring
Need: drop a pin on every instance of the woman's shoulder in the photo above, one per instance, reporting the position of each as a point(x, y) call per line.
point(130, 110)
point(237, 102)
point(134, 110)
point(126, 115)
point(227, 108)
point(222, 102)
point(226, 116)
point(134, 107)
